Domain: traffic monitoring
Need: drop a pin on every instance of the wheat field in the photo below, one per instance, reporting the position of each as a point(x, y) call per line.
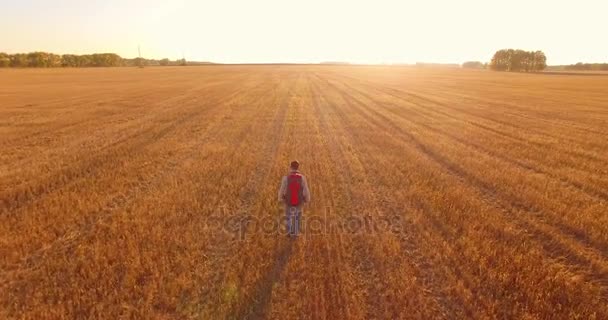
point(436, 193)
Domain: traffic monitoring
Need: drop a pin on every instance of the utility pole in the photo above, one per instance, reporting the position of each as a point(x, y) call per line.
point(140, 61)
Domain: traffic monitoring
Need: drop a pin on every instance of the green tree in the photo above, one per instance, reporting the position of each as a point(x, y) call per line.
point(540, 61)
point(473, 65)
point(164, 62)
point(85, 61)
point(69, 60)
point(19, 60)
point(500, 60)
point(36, 59)
point(518, 60)
point(140, 62)
point(53, 60)
point(588, 66)
point(5, 60)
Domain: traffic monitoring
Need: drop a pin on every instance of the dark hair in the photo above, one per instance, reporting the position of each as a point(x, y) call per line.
point(294, 164)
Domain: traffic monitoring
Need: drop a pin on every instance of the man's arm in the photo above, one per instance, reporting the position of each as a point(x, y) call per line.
point(306, 191)
point(282, 189)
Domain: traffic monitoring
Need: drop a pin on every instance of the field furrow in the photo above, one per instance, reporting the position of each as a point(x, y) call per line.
point(436, 193)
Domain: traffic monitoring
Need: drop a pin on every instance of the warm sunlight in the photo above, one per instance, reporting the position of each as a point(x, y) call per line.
point(381, 31)
point(282, 159)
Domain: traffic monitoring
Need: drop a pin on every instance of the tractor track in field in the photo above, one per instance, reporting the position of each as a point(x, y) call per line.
point(517, 139)
point(443, 306)
point(578, 264)
point(421, 97)
point(427, 277)
point(574, 185)
point(520, 206)
point(428, 202)
point(121, 200)
point(224, 247)
point(118, 200)
point(438, 227)
point(165, 172)
point(113, 124)
point(512, 106)
point(429, 151)
point(398, 93)
point(135, 104)
point(257, 308)
point(333, 250)
point(124, 147)
point(361, 248)
point(395, 93)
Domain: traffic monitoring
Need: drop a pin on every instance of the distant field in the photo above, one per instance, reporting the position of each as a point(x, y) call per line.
point(436, 193)
point(576, 72)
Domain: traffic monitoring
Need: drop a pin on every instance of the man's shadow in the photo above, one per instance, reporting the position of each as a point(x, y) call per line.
point(257, 306)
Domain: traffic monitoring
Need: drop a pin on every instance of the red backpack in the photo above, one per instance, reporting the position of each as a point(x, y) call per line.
point(295, 191)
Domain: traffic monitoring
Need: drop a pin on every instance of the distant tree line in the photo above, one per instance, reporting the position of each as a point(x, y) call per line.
point(588, 66)
point(474, 65)
point(518, 60)
point(50, 60)
point(434, 64)
point(334, 62)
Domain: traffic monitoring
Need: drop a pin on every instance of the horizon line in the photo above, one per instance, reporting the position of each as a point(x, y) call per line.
point(323, 62)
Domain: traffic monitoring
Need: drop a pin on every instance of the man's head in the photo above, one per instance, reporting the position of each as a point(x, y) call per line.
point(294, 165)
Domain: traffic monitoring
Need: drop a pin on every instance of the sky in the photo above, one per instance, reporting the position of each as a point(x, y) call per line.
point(309, 31)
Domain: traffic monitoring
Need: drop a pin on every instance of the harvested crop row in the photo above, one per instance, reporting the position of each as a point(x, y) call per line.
point(436, 193)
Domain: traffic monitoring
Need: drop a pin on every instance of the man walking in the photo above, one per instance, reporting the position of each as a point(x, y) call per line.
point(294, 193)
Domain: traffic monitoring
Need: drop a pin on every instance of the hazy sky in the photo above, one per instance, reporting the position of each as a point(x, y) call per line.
point(375, 31)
